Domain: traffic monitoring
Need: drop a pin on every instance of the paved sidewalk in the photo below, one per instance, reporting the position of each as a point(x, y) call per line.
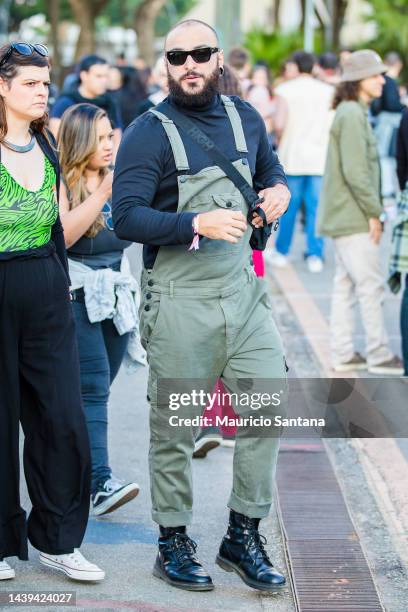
point(372, 472)
point(124, 543)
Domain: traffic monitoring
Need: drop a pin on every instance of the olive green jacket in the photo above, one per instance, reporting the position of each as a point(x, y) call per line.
point(351, 188)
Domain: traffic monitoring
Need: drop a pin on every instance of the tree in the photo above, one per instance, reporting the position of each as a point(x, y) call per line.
point(172, 12)
point(276, 14)
point(145, 18)
point(20, 11)
point(391, 20)
point(24, 10)
point(53, 12)
point(85, 14)
point(337, 18)
point(277, 47)
point(337, 11)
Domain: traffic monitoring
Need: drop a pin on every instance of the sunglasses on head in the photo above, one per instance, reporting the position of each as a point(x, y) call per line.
point(23, 48)
point(200, 56)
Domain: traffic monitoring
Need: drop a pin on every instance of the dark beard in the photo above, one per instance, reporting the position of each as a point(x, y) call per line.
point(195, 100)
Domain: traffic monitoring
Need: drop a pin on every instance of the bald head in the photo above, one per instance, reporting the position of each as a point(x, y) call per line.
point(193, 61)
point(191, 30)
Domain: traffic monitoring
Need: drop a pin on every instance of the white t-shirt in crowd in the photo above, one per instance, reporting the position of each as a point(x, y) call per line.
point(304, 141)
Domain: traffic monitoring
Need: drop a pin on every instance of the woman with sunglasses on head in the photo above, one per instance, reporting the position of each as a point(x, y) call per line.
point(39, 368)
point(96, 262)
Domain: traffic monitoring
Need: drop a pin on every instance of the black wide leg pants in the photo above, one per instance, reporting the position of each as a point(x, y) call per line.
point(40, 387)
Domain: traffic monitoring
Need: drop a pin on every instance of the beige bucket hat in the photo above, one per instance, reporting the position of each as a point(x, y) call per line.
point(362, 65)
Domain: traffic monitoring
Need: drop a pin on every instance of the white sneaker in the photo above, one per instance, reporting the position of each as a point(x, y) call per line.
point(275, 259)
point(228, 442)
point(392, 367)
point(6, 572)
point(357, 362)
point(74, 565)
point(314, 264)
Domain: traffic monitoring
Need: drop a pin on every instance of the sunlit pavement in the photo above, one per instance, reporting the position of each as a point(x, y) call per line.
point(124, 542)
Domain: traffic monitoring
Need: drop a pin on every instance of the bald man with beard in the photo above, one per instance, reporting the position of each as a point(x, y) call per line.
point(204, 314)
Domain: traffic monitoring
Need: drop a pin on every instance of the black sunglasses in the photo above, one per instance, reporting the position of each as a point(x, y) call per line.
point(200, 56)
point(24, 49)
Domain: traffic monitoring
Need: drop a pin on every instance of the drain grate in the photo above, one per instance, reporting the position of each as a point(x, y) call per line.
point(329, 571)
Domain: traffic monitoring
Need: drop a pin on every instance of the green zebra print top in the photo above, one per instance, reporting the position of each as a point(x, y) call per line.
point(26, 217)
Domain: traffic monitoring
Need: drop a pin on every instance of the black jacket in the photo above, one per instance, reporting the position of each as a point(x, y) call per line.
point(402, 150)
point(390, 99)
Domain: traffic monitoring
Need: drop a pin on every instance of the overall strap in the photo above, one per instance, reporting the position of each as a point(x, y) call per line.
point(176, 143)
point(236, 124)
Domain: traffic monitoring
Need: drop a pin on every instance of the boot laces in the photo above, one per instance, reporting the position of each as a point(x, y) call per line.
point(258, 542)
point(184, 548)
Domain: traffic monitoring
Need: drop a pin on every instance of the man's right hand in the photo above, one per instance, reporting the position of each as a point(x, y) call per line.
point(222, 225)
point(375, 229)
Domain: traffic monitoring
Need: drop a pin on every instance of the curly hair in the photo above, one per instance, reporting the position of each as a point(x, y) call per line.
point(349, 90)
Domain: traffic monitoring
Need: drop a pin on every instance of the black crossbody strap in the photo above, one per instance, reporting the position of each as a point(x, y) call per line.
point(194, 133)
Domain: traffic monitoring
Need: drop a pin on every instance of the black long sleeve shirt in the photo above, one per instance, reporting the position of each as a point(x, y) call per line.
point(145, 190)
point(390, 100)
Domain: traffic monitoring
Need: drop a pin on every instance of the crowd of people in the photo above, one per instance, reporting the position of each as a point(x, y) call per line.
point(116, 164)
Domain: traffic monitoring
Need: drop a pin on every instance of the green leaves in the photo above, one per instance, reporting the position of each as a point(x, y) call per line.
point(276, 47)
point(391, 18)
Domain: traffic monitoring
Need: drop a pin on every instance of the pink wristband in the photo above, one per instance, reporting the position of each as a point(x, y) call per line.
point(195, 245)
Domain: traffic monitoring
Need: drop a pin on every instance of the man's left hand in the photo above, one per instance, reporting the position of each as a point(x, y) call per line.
point(275, 205)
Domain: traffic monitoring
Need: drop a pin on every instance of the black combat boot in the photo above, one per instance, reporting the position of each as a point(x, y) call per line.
point(176, 562)
point(242, 551)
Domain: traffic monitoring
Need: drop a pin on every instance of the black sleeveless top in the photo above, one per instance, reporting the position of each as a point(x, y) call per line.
point(103, 251)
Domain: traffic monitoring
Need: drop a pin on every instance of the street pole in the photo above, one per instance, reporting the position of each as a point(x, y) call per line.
point(228, 23)
point(308, 35)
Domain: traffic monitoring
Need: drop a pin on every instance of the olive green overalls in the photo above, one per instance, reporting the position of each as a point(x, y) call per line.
point(205, 315)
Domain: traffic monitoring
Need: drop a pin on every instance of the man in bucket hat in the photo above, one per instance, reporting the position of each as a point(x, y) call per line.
point(350, 211)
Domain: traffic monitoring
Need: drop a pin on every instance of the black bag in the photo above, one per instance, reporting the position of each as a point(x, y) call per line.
point(259, 236)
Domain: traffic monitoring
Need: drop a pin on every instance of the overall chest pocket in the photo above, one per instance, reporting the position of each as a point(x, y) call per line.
point(220, 248)
point(205, 203)
point(228, 201)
